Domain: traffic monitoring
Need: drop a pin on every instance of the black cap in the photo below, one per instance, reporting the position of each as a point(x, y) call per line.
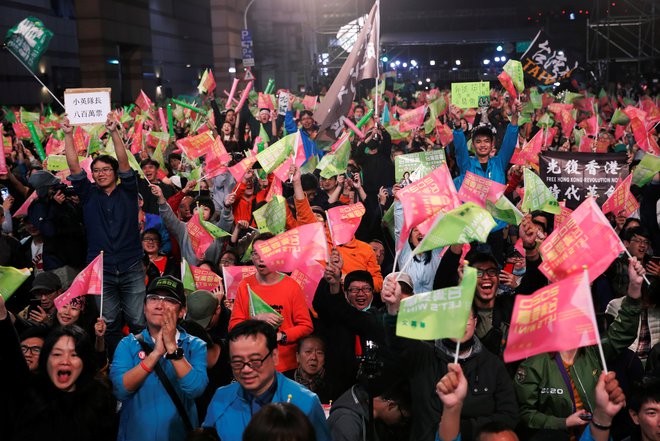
point(168, 286)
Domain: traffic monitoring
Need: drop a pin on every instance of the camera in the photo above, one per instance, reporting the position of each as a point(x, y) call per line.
point(66, 191)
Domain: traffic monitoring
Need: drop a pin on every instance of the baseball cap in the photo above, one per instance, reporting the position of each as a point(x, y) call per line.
point(46, 281)
point(403, 278)
point(201, 307)
point(168, 286)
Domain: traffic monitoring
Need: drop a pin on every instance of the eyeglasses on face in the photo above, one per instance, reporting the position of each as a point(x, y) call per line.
point(364, 289)
point(156, 298)
point(104, 170)
point(238, 365)
point(35, 350)
point(491, 272)
point(641, 241)
point(150, 239)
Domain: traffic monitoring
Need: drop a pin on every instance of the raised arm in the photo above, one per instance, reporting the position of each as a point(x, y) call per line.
point(112, 125)
point(69, 147)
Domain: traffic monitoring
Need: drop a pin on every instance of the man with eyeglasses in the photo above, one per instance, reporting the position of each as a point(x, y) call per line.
point(637, 241)
point(254, 353)
point(110, 214)
point(148, 411)
point(32, 340)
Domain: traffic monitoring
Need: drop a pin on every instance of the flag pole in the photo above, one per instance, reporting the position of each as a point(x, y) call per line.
point(101, 308)
point(377, 55)
point(595, 324)
point(396, 259)
point(630, 257)
point(35, 77)
point(458, 349)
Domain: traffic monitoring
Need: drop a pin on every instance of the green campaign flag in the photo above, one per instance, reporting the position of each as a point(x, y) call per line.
point(570, 97)
point(57, 163)
point(545, 121)
point(258, 306)
point(131, 159)
point(515, 71)
point(277, 153)
point(187, 277)
point(537, 195)
point(212, 229)
point(28, 40)
point(412, 161)
point(620, 118)
point(271, 218)
point(388, 220)
point(334, 164)
point(263, 135)
point(310, 165)
point(442, 313)
point(524, 118)
point(29, 116)
point(11, 279)
point(395, 133)
point(464, 224)
point(505, 211)
point(648, 167)
point(578, 134)
point(536, 98)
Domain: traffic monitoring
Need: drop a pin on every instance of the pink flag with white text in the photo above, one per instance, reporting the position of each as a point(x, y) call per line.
point(344, 221)
point(478, 189)
point(88, 281)
point(290, 249)
point(232, 276)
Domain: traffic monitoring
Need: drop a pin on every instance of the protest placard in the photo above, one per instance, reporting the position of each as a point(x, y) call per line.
point(466, 95)
point(87, 106)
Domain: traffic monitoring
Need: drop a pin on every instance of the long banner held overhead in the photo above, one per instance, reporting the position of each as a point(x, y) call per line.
point(572, 177)
point(546, 63)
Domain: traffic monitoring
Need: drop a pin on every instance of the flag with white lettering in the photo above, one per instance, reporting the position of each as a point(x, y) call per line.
point(28, 40)
point(545, 63)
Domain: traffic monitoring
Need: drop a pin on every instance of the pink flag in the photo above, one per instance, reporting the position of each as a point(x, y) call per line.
point(529, 154)
point(136, 139)
point(23, 210)
point(567, 123)
point(88, 281)
point(590, 125)
point(3, 162)
point(445, 134)
point(309, 102)
point(563, 216)
point(232, 276)
point(308, 277)
point(507, 83)
point(652, 111)
point(200, 239)
point(264, 101)
point(343, 222)
point(275, 189)
point(550, 133)
point(81, 140)
point(54, 146)
point(301, 245)
point(239, 170)
point(478, 189)
point(634, 112)
point(412, 119)
point(205, 279)
point(21, 131)
point(217, 159)
point(621, 201)
point(424, 198)
point(586, 238)
point(586, 145)
point(143, 101)
point(196, 145)
point(558, 317)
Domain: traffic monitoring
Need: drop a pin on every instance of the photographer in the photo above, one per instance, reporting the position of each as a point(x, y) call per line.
point(57, 214)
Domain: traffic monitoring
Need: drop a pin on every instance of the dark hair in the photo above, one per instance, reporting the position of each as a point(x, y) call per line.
point(153, 231)
point(636, 231)
point(279, 422)
point(306, 112)
point(486, 131)
point(359, 106)
point(358, 276)
point(629, 221)
point(149, 161)
point(309, 182)
point(644, 391)
point(84, 350)
point(214, 266)
point(493, 427)
point(262, 236)
point(206, 202)
point(312, 336)
point(34, 332)
point(237, 258)
point(399, 392)
point(481, 257)
point(253, 328)
point(174, 156)
point(196, 330)
point(547, 225)
point(108, 160)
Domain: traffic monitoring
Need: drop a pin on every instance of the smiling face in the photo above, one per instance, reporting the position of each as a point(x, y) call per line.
point(68, 314)
point(307, 122)
point(328, 185)
point(311, 356)
point(150, 172)
point(104, 175)
point(487, 284)
point(648, 420)
point(360, 294)
point(249, 348)
point(150, 243)
point(155, 308)
point(637, 246)
point(63, 365)
point(415, 237)
point(483, 146)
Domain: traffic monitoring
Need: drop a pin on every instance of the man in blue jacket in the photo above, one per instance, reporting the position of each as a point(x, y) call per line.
point(253, 357)
point(484, 163)
point(148, 411)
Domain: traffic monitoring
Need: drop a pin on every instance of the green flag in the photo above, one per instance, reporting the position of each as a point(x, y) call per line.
point(28, 40)
point(258, 306)
point(438, 314)
point(464, 224)
point(515, 71)
point(11, 279)
point(388, 220)
point(545, 121)
point(29, 116)
point(310, 165)
point(570, 97)
point(187, 277)
point(648, 167)
point(505, 211)
point(620, 118)
point(277, 153)
point(578, 134)
point(536, 98)
point(263, 135)
point(271, 218)
point(395, 133)
point(334, 164)
point(537, 195)
point(212, 229)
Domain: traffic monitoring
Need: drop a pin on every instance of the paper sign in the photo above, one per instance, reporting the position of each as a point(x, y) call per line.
point(282, 103)
point(467, 95)
point(87, 106)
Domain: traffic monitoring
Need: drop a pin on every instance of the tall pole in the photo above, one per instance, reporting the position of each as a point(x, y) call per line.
point(245, 14)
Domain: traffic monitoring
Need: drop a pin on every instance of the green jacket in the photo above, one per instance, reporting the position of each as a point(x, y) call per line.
point(543, 396)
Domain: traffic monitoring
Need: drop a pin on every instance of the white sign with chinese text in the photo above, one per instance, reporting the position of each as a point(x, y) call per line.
point(87, 106)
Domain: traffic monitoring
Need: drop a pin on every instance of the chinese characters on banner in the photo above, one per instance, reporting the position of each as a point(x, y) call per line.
point(572, 177)
point(409, 163)
point(466, 95)
point(197, 145)
point(545, 64)
point(87, 106)
point(478, 189)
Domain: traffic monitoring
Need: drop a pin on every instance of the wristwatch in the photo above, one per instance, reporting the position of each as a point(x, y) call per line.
point(282, 338)
point(176, 355)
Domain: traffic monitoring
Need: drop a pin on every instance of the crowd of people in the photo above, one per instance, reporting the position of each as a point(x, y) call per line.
point(154, 359)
